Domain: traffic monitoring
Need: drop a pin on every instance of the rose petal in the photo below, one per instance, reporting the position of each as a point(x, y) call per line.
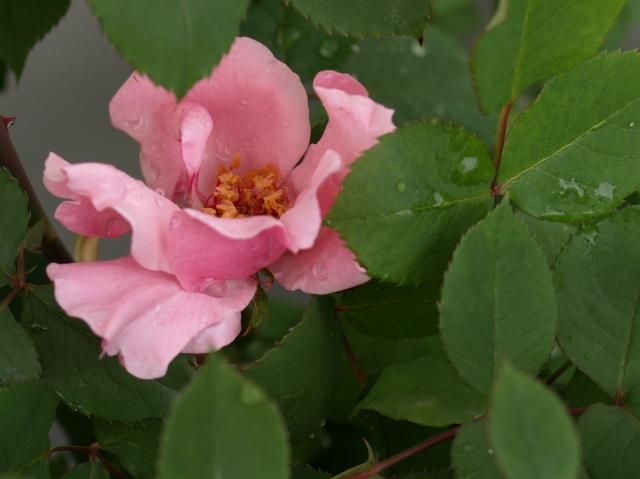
point(215, 337)
point(304, 219)
point(259, 109)
point(144, 316)
point(117, 197)
point(355, 123)
point(204, 248)
point(147, 113)
point(327, 267)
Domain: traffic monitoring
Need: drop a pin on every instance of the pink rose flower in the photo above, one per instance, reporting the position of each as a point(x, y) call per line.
point(223, 199)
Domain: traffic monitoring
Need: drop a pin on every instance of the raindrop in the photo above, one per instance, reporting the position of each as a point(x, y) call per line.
point(244, 102)
point(551, 212)
point(401, 186)
point(605, 190)
point(469, 163)
point(38, 326)
point(571, 185)
point(151, 174)
point(438, 199)
point(135, 124)
point(114, 226)
point(632, 124)
point(319, 270)
point(418, 50)
point(490, 451)
point(328, 48)
point(591, 237)
point(355, 48)
point(216, 288)
point(250, 395)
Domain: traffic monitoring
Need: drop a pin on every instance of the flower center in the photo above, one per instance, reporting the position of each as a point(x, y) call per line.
point(255, 193)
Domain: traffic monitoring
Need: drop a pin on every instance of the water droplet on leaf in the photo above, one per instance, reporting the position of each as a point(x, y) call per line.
point(250, 395)
point(328, 48)
point(605, 190)
point(401, 186)
point(418, 50)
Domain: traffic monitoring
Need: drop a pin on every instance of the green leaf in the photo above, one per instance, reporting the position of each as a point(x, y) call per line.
point(71, 364)
point(575, 153)
point(408, 200)
point(420, 82)
point(175, 42)
point(93, 470)
point(599, 304)
point(611, 442)
point(426, 391)
point(374, 353)
point(551, 236)
point(532, 40)
point(295, 40)
point(472, 454)
point(18, 358)
point(531, 433)
point(223, 426)
point(27, 412)
point(385, 311)
point(582, 392)
point(497, 301)
point(14, 220)
point(135, 445)
point(22, 24)
point(300, 373)
point(368, 17)
point(299, 471)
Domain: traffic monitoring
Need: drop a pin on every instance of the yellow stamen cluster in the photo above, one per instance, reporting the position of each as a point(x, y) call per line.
point(254, 193)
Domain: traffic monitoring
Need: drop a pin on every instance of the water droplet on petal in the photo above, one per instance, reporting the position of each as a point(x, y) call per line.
point(216, 288)
point(136, 124)
point(319, 270)
point(151, 174)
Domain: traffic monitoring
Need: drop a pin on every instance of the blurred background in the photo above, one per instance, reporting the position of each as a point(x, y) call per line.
point(62, 98)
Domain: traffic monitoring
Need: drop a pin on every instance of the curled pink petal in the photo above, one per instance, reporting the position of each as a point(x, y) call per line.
point(355, 122)
point(147, 113)
point(117, 197)
point(304, 219)
point(329, 266)
point(143, 316)
point(205, 248)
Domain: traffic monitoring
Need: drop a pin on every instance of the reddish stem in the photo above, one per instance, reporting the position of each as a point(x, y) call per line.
point(401, 456)
point(502, 134)
point(94, 453)
point(52, 247)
